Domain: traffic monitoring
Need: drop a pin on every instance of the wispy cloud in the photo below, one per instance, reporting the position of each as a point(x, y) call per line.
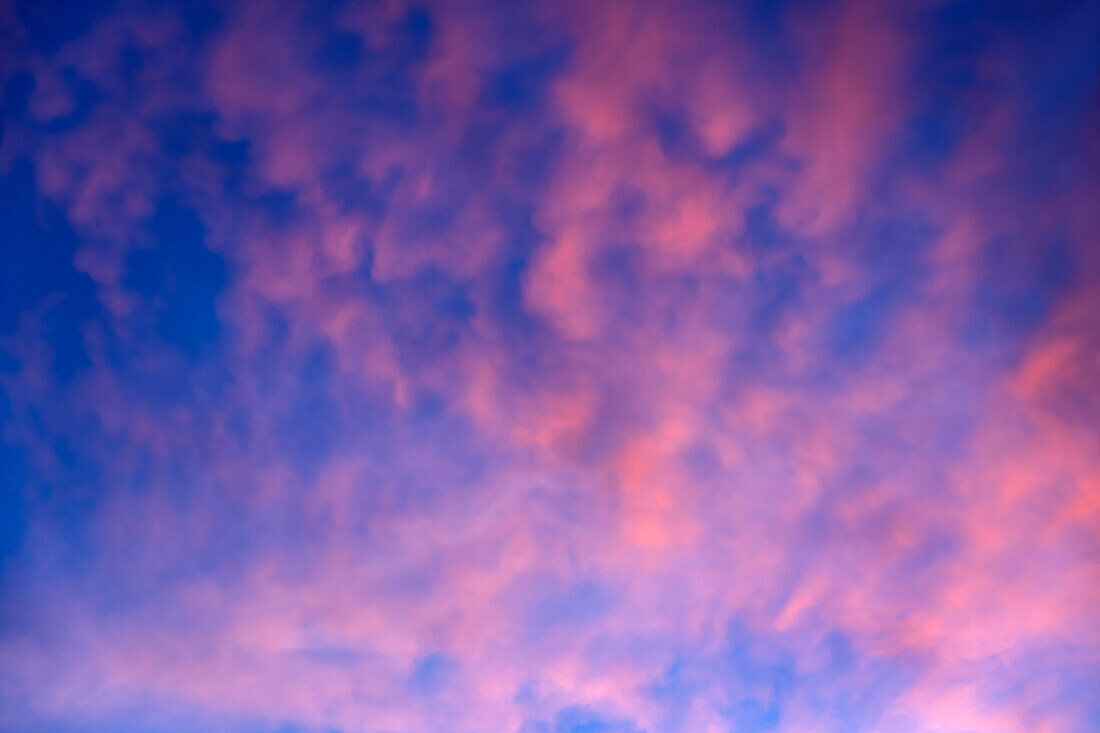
point(549, 367)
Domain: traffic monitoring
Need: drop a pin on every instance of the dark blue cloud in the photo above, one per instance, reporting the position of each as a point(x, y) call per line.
point(1018, 285)
point(50, 24)
point(37, 246)
point(521, 84)
point(179, 278)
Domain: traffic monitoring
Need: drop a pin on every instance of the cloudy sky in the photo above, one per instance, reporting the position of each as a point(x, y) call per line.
point(479, 366)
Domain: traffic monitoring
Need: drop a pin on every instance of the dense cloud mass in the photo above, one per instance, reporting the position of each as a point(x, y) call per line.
point(550, 367)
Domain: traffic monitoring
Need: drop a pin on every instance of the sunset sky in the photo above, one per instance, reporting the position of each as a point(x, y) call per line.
point(607, 366)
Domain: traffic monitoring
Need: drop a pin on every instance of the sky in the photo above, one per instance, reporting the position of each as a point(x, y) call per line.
point(473, 366)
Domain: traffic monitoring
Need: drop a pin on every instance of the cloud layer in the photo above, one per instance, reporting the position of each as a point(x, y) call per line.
point(545, 367)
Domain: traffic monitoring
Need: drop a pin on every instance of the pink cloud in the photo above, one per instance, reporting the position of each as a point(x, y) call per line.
point(636, 436)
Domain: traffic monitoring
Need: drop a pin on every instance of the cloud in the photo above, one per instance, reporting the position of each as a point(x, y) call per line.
point(501, 366)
